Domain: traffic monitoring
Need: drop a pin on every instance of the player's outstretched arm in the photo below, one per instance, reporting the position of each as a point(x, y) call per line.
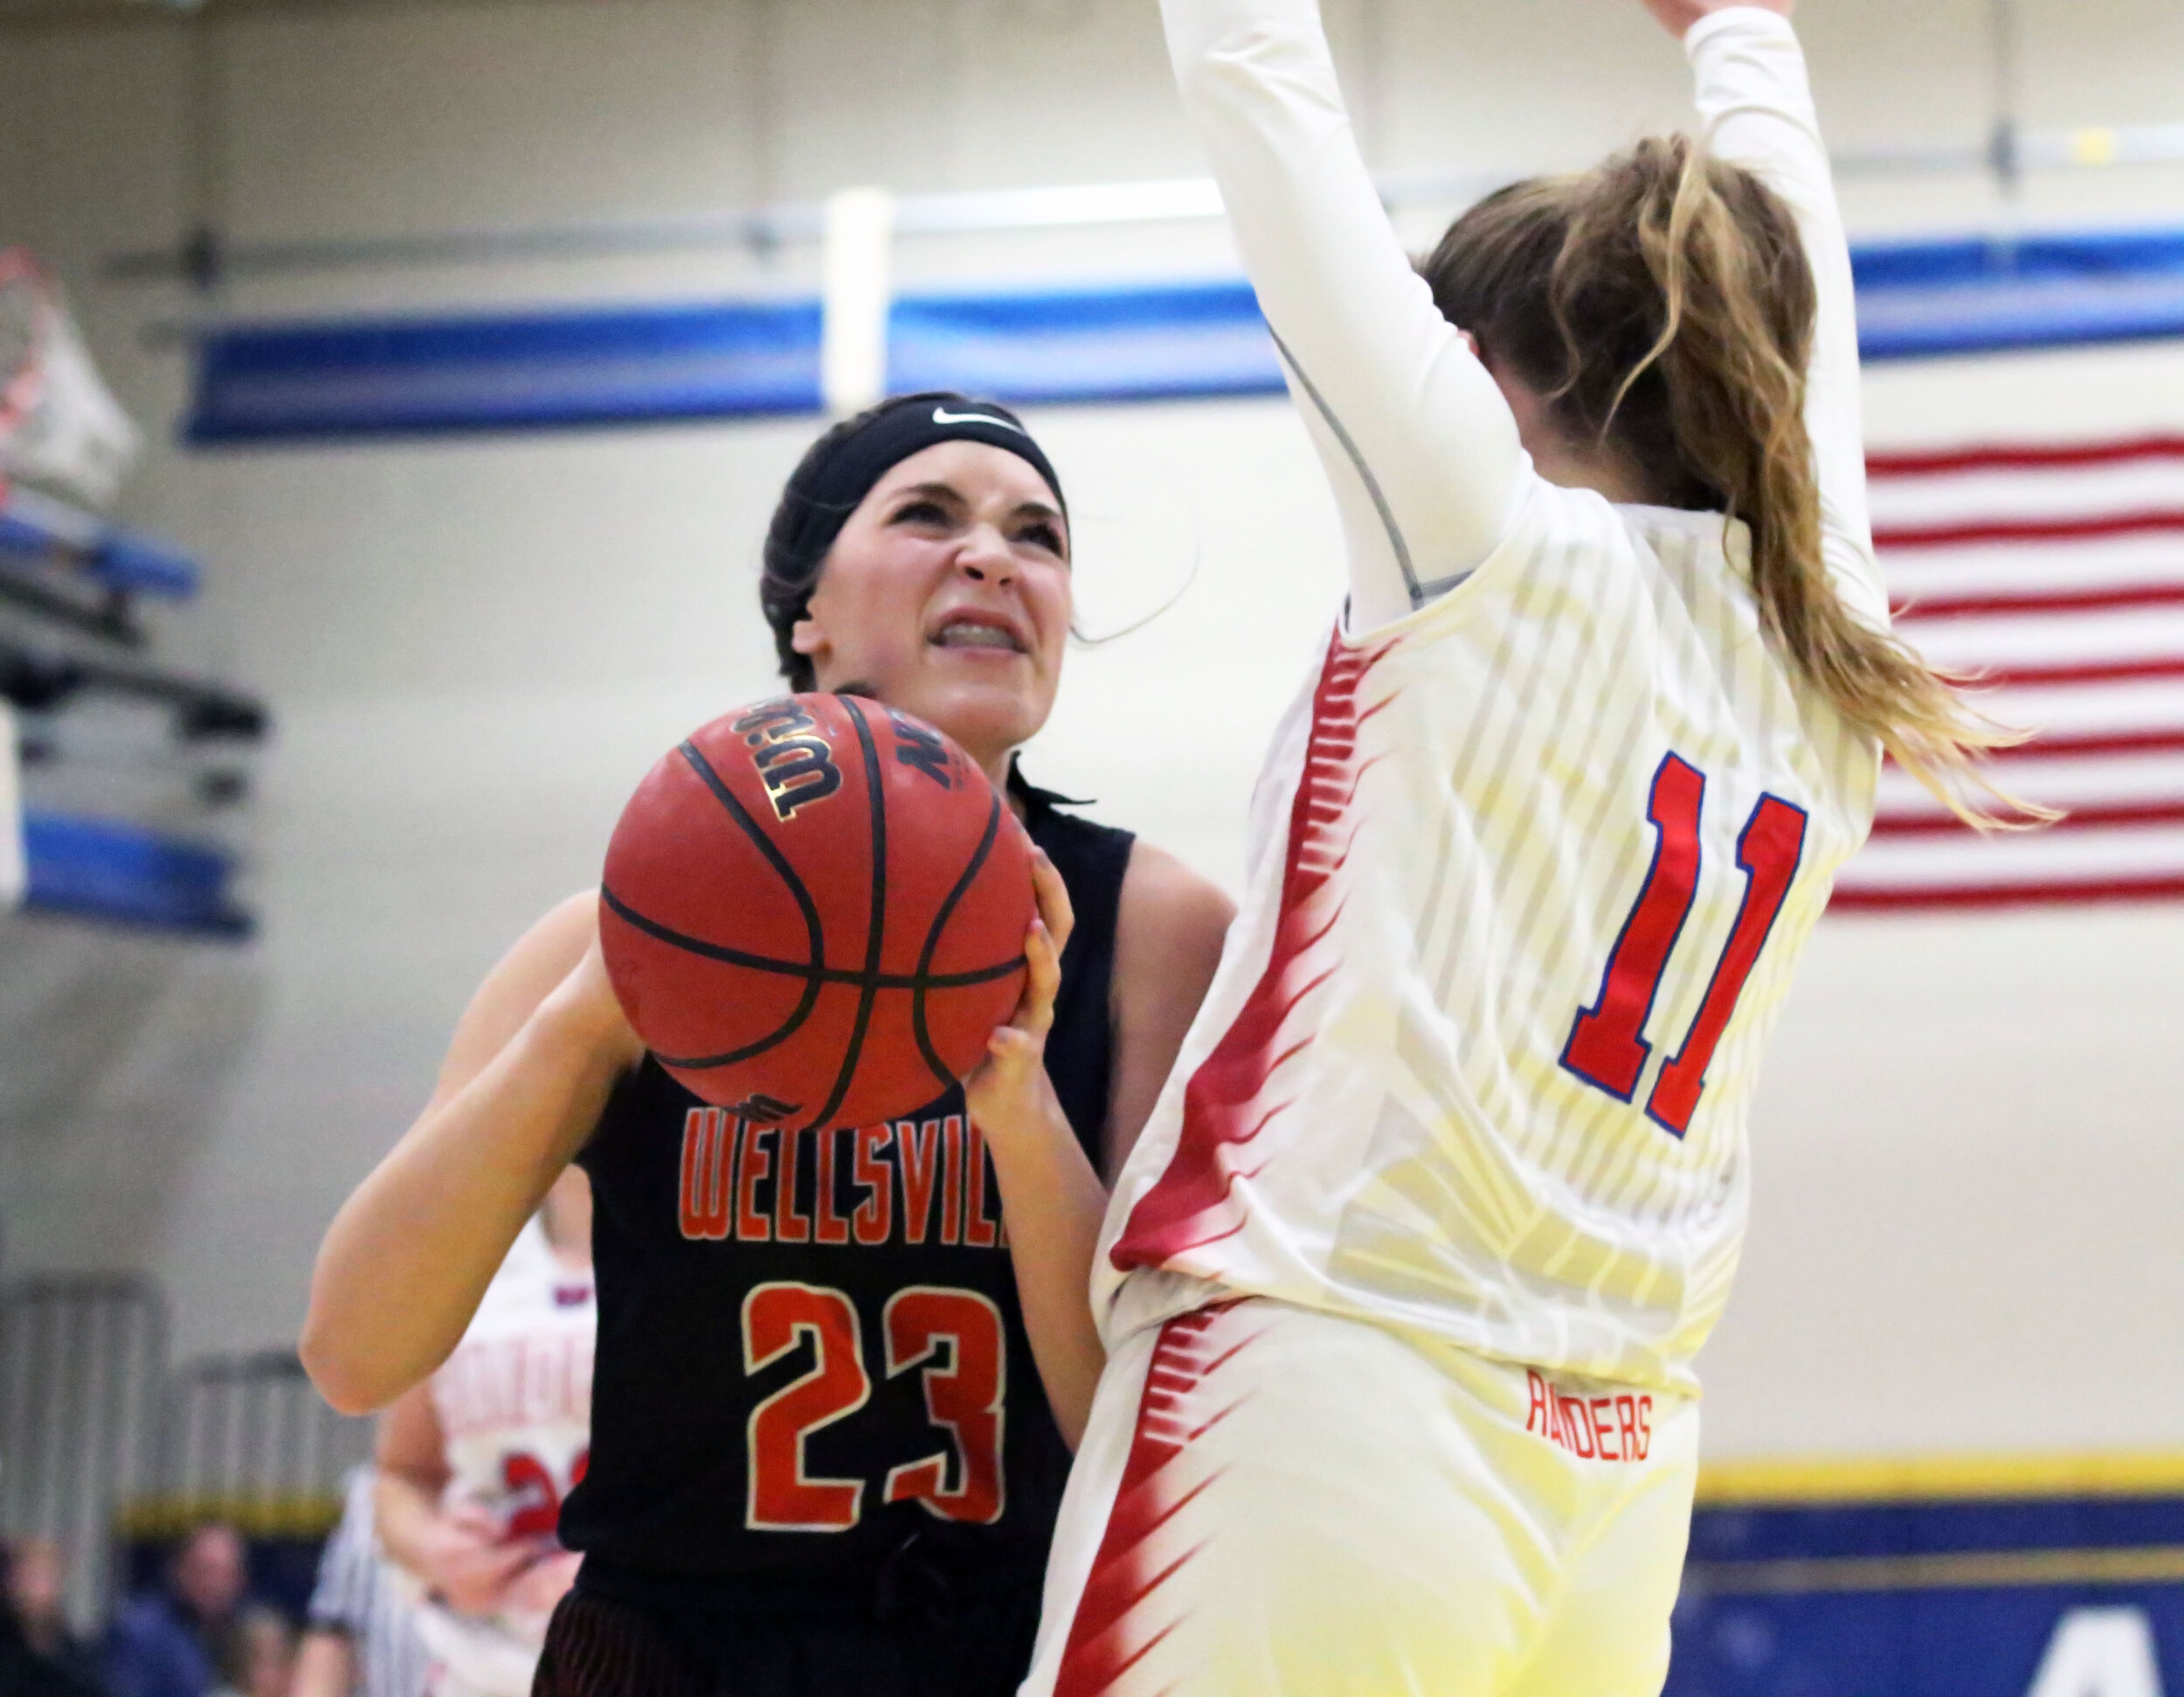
point(1418, 445)
point(408, 1259)
point(1756, 110)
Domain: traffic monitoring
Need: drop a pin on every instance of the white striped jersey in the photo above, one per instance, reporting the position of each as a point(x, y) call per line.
point(514, 1407)
point(359, 1596)
point(1531, 865)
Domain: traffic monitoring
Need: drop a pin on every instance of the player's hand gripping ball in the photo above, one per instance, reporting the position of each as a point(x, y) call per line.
point(814, 912)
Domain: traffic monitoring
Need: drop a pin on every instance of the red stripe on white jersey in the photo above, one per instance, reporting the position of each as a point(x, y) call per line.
point(1226, 1103)
point(1120, 1613)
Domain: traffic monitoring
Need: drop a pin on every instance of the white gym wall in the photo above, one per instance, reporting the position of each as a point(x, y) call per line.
point(1966, 1181)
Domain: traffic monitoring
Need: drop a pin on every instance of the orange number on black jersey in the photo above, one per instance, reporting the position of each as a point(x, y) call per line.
point(964, 1391)
point(956, 1336)
point(778, 1496)
point(1608, 1047)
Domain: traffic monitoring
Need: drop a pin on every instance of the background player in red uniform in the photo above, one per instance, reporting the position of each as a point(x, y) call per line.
point(473, 1462)
point(819, 1461)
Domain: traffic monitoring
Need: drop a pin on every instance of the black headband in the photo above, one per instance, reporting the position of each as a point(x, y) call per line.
point(826, 492)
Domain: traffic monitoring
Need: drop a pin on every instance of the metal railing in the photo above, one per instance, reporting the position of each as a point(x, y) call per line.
point(100, 1442)
point(2006, 153)
point(248, 1439)
point(82, 1358)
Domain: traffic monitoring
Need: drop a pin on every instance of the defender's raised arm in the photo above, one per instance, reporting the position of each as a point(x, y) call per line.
point(1420, 446)
point(1756, 110)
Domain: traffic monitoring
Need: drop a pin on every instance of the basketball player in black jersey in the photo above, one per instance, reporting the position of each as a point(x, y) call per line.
point(838, 1374)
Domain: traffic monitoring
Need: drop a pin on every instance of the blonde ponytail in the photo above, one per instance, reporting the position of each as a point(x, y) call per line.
point(1664, 306)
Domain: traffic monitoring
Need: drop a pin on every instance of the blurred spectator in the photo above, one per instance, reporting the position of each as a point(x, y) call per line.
point(36, 1583)
point(26, 1670)
point(362, 1640)
point(166, 1642)
point(258, 1654)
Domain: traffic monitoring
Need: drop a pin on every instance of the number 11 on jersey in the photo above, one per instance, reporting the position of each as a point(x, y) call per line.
point(1608, 1047)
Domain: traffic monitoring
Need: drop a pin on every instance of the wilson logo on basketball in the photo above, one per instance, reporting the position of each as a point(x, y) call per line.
point(795, 761)
point(920, 749)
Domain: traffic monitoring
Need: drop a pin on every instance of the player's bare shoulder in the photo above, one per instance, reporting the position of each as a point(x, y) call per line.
point(1171, 923)
point(1169, 911)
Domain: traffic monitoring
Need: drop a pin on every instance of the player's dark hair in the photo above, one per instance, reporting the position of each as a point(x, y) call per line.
point(835, 474)
point(1664, 306)
point(791, 566)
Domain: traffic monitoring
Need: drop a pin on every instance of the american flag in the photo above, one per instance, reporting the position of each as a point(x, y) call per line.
point(2058, 573)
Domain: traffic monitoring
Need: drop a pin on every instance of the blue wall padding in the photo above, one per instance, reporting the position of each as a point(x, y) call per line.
point(126, 561)
point(109, 869)
point(1916, 1599)
point(19, 536)
point(22, 538)
point(118, 559)
point(1968, 1642)
point(1828, 1531)
point(627, 366)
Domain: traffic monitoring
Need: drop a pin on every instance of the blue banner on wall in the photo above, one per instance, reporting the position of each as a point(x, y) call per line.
point(1923, 299)
point(628, 365)
point(632, 365)
point(2055, 1592)
point(1157, 344)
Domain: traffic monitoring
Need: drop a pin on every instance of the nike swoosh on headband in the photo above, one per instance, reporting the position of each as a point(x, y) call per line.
point(943, 416)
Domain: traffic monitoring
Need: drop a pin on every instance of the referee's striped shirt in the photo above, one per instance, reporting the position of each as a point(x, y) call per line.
point(356, 1596)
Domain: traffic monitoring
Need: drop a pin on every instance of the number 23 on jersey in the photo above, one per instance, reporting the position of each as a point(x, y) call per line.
point(953, 1336)
point(1608, 1047)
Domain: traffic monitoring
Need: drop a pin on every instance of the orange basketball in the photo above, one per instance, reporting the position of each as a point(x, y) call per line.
point(814, 911)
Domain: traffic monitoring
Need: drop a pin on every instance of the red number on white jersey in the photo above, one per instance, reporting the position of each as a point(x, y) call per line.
point(1769, 851)
point(534, 1495)
point(1608, 1047)
point(778, 1496)
point(535, 1499)
point(963, 1396)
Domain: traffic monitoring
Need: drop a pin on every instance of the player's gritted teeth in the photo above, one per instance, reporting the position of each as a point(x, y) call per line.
point(987, 631)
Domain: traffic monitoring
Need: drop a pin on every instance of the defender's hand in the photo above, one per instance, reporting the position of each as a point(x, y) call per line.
point(465, 1563)
point(541, 1586)
point(1009, 1088)
point(1678, 16)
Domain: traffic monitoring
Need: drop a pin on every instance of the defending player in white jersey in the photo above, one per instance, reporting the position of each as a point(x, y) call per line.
point(1403, 1283)
point(475, 1461)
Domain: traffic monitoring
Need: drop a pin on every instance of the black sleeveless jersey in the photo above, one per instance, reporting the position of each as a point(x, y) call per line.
point(810, 1345)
